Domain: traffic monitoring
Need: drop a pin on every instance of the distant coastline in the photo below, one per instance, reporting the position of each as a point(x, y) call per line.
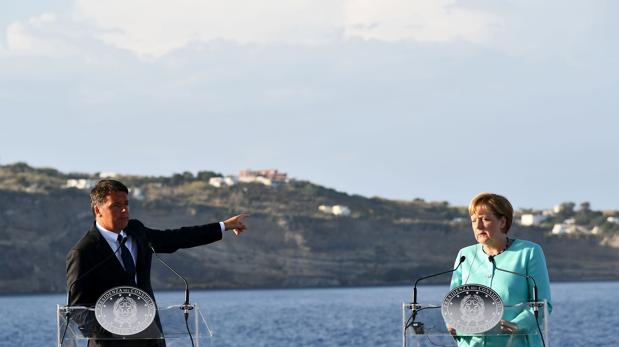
point(302, 235)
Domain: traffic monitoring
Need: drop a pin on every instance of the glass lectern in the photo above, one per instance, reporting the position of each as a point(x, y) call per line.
point(173, 328)
point(423, 325)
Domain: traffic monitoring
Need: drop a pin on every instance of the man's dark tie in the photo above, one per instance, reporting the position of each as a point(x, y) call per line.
point(127, 260)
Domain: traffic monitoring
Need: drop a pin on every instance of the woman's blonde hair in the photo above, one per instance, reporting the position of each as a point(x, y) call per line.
point(497, 204)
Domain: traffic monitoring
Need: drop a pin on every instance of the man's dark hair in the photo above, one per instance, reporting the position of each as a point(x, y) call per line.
point(102, 189)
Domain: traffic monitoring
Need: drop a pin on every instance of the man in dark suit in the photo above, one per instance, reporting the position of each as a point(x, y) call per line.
point(102, 260)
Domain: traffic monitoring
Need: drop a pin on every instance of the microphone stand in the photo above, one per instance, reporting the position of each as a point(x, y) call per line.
point(415, 306)
point(186, 307)
point(535, 298)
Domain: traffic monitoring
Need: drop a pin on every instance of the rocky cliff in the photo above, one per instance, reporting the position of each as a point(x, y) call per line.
point(289, 244)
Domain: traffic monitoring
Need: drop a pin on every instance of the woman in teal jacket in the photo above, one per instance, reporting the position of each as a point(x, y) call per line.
point(491, 218)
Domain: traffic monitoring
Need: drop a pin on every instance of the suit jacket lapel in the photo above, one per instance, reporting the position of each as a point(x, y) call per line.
point(104, 247)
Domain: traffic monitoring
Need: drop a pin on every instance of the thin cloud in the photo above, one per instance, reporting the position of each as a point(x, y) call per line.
point(154, 28)
point(424, 21)
point(150, 29)
point(29, 37)
point(48, 35)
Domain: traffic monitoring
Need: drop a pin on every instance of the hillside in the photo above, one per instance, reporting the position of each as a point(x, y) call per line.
point(290, 242)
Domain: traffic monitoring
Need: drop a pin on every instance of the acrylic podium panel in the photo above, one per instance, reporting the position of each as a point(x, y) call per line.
point(429, 329)
point(83, 326)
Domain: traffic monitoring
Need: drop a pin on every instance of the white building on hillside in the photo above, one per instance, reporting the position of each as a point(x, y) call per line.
point(612, 219)
point(532, 219)
point(570, 228)
point(136, 193)
point(337, 210)
point(80, 183)
point(222, 181)
point(267, 177)
point(559, 229)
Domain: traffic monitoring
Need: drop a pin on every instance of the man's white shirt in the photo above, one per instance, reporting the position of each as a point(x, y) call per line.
point(112, 240)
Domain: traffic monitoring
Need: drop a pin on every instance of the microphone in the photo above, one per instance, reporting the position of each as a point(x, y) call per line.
point(462, 258)
point(186, 306)
point(411, 321)
point(535, 309)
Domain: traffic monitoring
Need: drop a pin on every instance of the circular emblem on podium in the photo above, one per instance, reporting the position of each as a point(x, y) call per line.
point(472, 308)
point(125, 310)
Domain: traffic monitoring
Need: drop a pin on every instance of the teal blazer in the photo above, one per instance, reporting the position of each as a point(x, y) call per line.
point(522, 256)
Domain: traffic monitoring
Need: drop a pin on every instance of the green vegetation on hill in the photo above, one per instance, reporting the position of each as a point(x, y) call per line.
point(291, 243)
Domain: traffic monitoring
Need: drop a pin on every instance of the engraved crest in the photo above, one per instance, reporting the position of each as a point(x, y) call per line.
point(125, 310)
point(472, 308)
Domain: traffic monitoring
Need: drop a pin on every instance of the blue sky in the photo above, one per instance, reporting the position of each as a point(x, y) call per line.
point(401, 99)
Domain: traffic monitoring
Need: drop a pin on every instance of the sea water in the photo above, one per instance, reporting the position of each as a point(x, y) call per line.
point(584, 314)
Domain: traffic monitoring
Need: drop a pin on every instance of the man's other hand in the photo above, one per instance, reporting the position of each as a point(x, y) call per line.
point(236, 223)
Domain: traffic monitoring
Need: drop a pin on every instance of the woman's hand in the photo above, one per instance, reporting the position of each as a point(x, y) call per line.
point(452, 330)
point(508, 327)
